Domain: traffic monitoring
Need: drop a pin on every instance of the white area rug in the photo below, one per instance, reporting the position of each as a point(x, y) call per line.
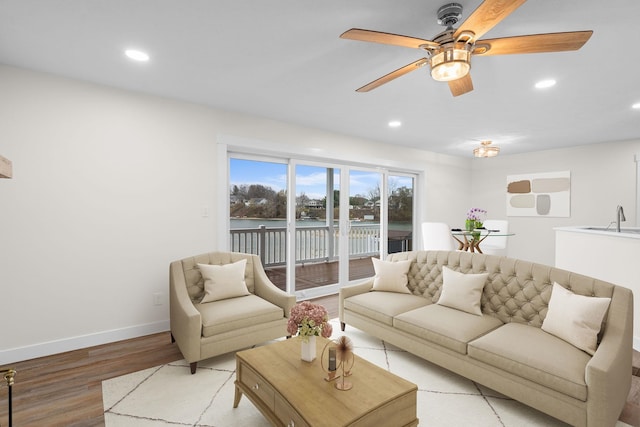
point(169, 395)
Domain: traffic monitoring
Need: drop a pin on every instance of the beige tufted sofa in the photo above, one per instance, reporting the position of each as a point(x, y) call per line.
point(505, 349)
point(206, 330)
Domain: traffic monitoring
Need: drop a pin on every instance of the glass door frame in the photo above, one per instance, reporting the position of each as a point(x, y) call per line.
point(344, 222)
point(291, 229)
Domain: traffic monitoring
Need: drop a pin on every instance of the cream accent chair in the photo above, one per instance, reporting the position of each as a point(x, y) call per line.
point(209, 329)
point(436, 236)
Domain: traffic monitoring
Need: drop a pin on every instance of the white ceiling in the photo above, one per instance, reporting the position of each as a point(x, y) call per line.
point(284, 60)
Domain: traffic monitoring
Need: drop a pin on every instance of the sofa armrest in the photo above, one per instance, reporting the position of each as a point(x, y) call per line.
point(265, 289)
point(186, 322)
point(608, 373)
point(351, 290)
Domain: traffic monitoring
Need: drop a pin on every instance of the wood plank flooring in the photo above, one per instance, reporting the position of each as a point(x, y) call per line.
point(65, 389)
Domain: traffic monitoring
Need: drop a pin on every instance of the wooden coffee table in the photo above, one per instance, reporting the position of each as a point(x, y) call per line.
point(290, 392)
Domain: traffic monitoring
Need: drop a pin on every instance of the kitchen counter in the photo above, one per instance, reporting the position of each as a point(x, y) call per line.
point(604, 254)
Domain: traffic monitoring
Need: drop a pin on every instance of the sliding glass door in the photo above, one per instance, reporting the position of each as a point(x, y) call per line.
point(316, 226)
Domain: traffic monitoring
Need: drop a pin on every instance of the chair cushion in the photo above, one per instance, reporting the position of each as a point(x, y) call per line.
point(576, 319)
point(445, 326)
point(383, 306)
point(223, 281)
point(391, 276)
point(236, 313)
point(531, 353)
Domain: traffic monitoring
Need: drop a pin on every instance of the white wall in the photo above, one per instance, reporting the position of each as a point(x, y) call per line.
point(109, 187)
point(602, 177)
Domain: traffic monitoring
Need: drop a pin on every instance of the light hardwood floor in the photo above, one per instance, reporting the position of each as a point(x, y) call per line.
point(65, 389)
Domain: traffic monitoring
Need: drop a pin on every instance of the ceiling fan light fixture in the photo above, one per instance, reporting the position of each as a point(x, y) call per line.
point(451, 63)
point(486, 150)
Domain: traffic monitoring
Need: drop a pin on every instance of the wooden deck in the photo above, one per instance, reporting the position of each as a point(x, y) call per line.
point(320, 274)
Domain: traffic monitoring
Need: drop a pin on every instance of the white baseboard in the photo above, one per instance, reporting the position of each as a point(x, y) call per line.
point(68, 344)
point(636, 343)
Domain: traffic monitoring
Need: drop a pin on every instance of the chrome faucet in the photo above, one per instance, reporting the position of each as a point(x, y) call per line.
point(619, 218)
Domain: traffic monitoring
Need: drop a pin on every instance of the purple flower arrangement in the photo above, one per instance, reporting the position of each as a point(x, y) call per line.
point(477, 215)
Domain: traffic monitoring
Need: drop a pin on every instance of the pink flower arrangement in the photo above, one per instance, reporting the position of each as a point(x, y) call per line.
point(308, 319)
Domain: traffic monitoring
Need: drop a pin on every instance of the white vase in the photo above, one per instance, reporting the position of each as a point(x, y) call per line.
point(308, 348)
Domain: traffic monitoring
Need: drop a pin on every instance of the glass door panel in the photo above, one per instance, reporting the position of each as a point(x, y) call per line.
point(400, 213)
point(258, 214)
point(317, 228)
point(365, 209)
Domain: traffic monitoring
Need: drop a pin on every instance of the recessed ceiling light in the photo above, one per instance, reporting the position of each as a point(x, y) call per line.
point(395, 124)
point(636, 106)
point(543, 84)
point(137, 55)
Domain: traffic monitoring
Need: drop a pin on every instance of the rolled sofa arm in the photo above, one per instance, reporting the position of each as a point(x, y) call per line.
point(349, 291)
point(608, 373)
point(186, 323)
point(265, 289)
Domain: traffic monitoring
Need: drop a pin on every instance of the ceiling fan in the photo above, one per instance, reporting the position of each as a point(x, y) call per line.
point(449, 53)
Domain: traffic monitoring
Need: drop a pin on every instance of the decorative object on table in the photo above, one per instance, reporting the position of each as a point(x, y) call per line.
point(475, 218)
point(308, 321)
point(345, 358)
point(539, 194)
point(329, 353)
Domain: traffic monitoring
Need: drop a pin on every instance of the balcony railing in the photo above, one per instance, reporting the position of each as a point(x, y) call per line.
point(313, 244)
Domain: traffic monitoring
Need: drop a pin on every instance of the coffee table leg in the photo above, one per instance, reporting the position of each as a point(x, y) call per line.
point(237, 397)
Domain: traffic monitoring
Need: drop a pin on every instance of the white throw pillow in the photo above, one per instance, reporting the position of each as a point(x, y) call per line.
point(391, 276)
point(223, 281)
point(575, 318)
point(462, 291)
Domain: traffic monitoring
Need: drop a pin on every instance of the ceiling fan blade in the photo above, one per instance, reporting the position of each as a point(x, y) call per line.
point(386, 38)
point(394, 75)
point(461, 86)
point(534, 43)
point(487, 16)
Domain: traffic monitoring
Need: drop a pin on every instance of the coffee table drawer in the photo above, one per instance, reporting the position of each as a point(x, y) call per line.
point(287, 414)
point(258, 386)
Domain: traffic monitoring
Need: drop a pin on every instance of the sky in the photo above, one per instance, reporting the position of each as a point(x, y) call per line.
point(310, 180)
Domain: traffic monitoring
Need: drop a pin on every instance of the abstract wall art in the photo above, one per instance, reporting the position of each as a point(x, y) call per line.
point(539, 194)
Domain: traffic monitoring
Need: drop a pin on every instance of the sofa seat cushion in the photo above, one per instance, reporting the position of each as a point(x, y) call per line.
point(383, 306)
point(531, 353)
point(446, 326)
point(236, 313)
